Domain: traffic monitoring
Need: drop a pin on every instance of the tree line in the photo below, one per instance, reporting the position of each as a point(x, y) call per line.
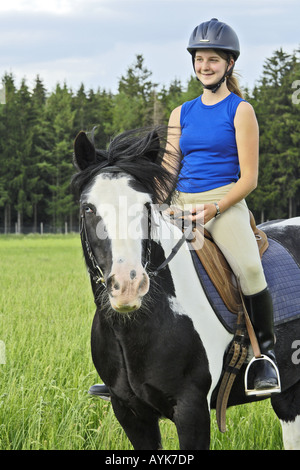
point(37, 130)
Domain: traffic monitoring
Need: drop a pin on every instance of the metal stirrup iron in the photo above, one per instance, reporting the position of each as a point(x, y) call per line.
point(258, 356)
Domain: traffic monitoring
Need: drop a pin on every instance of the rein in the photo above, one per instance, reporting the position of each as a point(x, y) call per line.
point(187, 236)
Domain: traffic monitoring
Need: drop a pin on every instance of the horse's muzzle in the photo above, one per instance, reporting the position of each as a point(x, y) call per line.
point(127, 285)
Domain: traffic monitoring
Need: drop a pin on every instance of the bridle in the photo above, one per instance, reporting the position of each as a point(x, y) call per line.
point(95, 270)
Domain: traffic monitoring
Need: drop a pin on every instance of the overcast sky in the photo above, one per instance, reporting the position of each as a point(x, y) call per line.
point(95, 41)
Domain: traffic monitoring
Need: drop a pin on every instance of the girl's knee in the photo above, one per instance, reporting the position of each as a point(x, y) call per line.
point(253, 279)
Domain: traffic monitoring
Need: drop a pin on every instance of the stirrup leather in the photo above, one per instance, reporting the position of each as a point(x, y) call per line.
point(266, 391)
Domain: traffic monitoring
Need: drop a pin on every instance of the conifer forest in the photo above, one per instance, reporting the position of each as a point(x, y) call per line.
point(38, 127)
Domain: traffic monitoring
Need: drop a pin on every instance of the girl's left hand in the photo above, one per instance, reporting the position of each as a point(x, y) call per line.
point(203, 213)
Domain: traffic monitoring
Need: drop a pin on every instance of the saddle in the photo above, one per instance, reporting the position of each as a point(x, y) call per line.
point(218, 268)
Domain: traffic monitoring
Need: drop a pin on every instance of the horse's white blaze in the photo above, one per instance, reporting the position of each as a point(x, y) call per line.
point(291, 434)
point(122, 209)
point(194, 303)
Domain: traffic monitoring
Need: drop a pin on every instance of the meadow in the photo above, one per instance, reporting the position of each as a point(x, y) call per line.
point(46, 313)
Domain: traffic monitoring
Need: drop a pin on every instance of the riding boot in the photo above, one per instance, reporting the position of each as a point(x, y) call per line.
point(260, 310)
point(100, 390)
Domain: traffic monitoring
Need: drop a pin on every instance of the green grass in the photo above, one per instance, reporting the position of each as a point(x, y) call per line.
point(46, 312)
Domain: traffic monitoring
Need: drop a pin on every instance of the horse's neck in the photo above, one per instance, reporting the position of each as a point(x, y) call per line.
point(190, 298)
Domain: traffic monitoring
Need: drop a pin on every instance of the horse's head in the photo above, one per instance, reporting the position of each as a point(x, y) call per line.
point(116, 187)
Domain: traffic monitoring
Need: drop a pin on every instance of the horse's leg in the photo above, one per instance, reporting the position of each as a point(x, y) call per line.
point(141, 426)
point(192, 420)
point(287, 407)
point(291, 434)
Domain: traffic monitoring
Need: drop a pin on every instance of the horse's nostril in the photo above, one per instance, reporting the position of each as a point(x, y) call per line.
point(116, 286)
point(132, 274)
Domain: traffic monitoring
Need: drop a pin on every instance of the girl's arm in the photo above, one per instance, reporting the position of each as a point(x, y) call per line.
point(247, 139)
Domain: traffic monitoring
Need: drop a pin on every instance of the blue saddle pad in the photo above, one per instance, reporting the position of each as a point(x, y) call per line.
point(283, 278)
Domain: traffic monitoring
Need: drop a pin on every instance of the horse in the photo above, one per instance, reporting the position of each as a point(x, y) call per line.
point(156, 341)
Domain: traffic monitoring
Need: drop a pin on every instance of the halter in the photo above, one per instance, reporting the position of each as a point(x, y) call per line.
point(96, 271)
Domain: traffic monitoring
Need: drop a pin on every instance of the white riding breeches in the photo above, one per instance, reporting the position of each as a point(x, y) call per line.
point(233, 234)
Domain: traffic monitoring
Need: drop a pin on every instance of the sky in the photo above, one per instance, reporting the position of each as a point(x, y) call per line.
point(95, 41)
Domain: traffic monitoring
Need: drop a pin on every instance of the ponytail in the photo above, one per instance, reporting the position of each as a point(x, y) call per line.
point(232, 80)
point(233, 85)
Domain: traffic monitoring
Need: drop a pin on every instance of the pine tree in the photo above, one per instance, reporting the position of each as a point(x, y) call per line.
point(279, 161)
point(133, 105)
point(39, 153)
point(15, 148)
point(60, 116)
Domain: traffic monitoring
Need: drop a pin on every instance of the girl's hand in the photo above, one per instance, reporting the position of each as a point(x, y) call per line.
point(202, 213)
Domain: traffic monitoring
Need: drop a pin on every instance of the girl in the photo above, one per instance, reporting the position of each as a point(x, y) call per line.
point(218, 138)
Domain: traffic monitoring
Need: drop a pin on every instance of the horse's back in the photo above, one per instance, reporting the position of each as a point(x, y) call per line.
point(286, 232)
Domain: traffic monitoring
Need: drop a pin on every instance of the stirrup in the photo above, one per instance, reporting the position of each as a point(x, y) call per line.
point(100, 390)
point(266, 391)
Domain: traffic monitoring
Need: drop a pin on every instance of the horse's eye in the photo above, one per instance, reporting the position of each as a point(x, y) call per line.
point(88, 210)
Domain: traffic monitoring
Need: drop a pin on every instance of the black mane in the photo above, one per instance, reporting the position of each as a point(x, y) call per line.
point(138, 153)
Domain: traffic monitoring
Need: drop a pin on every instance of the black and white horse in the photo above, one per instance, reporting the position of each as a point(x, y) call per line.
point(156, 340)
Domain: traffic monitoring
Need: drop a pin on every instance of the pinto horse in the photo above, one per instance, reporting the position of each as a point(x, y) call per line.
point(157, 342)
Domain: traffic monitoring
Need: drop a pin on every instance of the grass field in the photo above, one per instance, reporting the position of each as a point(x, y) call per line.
point(46, 312)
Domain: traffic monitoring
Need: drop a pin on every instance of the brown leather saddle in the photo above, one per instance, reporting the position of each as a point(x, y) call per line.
point(218, 268)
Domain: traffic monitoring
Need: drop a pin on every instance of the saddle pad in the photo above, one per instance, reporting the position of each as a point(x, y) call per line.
point(283, 278)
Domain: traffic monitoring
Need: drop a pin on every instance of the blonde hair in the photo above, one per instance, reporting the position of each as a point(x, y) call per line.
point(231, 80)
point(233, 85)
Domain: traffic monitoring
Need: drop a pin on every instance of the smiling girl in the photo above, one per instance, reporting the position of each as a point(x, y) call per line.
point(219, 138)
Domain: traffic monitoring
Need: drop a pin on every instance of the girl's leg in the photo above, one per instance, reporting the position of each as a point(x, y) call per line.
point(233, 234)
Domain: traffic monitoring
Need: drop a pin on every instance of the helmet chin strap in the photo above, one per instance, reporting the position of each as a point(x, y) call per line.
point(215, 86)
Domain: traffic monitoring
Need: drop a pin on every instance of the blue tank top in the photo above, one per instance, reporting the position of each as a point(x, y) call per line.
point(208, 145)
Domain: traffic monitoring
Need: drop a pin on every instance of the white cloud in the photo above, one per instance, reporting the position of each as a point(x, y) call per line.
point(33, 6)
point(54, 6)
point(95, 41)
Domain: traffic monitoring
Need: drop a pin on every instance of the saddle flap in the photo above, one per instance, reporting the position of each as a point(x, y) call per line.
point(218, 268)
point(218, 271)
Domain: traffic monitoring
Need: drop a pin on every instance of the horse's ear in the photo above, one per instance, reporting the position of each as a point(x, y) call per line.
point(84, 151)
point(153, 146)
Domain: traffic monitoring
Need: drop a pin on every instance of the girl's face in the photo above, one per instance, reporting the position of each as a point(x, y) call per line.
point(209, 66)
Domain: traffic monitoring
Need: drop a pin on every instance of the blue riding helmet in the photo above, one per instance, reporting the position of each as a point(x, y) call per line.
point(214, 34)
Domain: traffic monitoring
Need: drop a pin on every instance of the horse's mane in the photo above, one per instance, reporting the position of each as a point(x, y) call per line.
point(138, 153)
